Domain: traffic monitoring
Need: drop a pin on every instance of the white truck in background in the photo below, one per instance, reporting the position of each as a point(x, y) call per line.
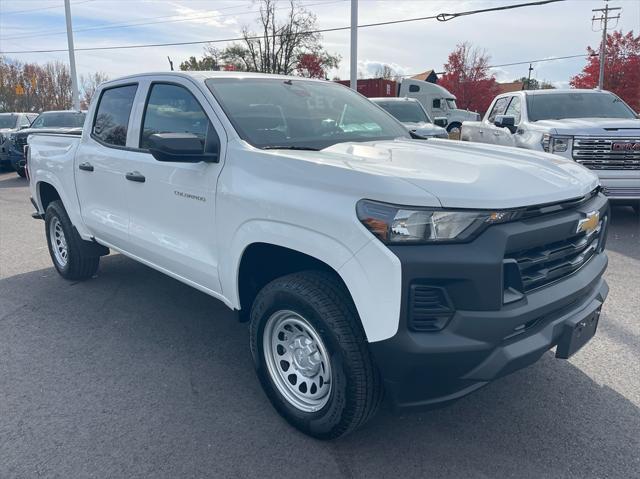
point(594, 128)
point(438, 102)
point(366, 262)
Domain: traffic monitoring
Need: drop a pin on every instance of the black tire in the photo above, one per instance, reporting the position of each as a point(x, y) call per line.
point(356, 389)
point(453, 125)
point(21, 172)
point(78, 265)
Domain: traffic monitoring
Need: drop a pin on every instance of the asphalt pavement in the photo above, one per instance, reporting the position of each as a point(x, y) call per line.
point(133, 374)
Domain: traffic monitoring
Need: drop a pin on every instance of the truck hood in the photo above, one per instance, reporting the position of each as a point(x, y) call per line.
point(464, 175)
point(424, 128)
point(592, 126)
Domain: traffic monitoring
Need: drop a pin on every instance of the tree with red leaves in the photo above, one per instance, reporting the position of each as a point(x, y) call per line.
point(621, 68)
point(467, 77)
point(310, 66)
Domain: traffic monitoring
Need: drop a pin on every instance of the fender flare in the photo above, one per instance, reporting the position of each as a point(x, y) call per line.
point(70, 204)
point(378, 316)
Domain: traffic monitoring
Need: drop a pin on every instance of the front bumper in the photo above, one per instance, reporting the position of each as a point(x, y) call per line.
point(485, 338)
point(620, 190)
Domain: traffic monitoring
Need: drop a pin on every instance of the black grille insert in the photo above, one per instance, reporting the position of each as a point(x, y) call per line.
point(550, 262)
point(429, 308)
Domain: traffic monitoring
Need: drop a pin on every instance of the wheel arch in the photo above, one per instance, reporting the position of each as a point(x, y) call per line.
point(46, 194)
point(262, 262)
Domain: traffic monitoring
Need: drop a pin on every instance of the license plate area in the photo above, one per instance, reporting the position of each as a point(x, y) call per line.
point(576, 334)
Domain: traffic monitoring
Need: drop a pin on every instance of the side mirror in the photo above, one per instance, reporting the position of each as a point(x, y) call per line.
point(184, 148)
point(506, 121)
point(441, 121)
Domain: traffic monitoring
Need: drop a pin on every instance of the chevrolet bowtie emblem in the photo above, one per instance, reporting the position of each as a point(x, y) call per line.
point(590, 223)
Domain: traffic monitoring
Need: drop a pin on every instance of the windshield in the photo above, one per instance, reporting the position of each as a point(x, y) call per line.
point(8, 120)
point(405, 111)
point(451, 103)
point(576, 105)
point(65, 119)
point(271, 113)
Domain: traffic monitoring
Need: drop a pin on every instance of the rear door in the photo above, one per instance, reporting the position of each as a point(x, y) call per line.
point(172, 223)
point(101, 163)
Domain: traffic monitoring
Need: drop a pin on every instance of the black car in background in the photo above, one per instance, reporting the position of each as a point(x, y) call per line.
point(66, 121)
point(10, 123)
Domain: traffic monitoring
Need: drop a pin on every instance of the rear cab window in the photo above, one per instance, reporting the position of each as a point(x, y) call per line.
point(111, 120)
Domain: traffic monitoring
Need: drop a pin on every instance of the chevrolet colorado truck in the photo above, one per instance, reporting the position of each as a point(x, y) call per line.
point(594, 128)
point(365, 262)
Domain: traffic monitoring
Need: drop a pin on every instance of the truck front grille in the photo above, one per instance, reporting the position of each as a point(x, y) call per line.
point(551, 262)
point(598, 153)
point(20, 143)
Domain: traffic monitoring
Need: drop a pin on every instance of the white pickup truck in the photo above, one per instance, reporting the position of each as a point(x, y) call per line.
point(594, 128)
point(365, 261)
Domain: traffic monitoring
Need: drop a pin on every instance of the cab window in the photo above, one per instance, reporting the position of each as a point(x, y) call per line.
point(173, 109)
point(112, 115)
point(499, 108)
point(437, 103)
point(514, 108)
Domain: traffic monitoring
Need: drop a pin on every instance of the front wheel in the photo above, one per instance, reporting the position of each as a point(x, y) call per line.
point(65, 245)
point(22, 173)
point(311, 355)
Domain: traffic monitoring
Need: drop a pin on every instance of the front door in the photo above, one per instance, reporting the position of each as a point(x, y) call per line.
point(172, 204)
point(100, 167)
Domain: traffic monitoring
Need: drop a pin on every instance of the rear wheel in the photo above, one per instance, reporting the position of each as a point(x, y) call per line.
point(311, 355)
point(65, 245)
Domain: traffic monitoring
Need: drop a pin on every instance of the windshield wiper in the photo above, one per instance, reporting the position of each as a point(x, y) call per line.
point(289, 147)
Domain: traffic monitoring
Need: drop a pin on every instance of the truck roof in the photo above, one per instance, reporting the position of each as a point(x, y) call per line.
point(205, 75)
point(557, 91)
point(393, 98)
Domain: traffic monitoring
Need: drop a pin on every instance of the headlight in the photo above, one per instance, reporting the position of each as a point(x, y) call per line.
point(393, 224)
point(555, 144)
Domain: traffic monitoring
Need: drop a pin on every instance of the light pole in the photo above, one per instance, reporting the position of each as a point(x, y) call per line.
point(72, 57)
point(354, 46)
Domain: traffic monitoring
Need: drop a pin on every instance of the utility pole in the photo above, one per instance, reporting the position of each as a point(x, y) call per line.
point(603, 18)
point(72, 57)
point(354, 46)
point(529, 77)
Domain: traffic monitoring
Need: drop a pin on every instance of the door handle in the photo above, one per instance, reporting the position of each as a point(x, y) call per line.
point(86, 166)
point(135, 176)
point(481, 132)
point(496, 133)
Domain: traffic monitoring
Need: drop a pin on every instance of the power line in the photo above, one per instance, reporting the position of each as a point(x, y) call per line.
point(440, 17)
point(146, 22)
point(17, 12)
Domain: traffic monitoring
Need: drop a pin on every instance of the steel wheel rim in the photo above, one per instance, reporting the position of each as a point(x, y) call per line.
point(297, 361)
point(58, 242)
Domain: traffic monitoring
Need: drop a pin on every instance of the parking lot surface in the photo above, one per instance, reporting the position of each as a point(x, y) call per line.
point(133, 374)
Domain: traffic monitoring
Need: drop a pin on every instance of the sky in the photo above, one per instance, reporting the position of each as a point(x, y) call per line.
point(521, 35)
